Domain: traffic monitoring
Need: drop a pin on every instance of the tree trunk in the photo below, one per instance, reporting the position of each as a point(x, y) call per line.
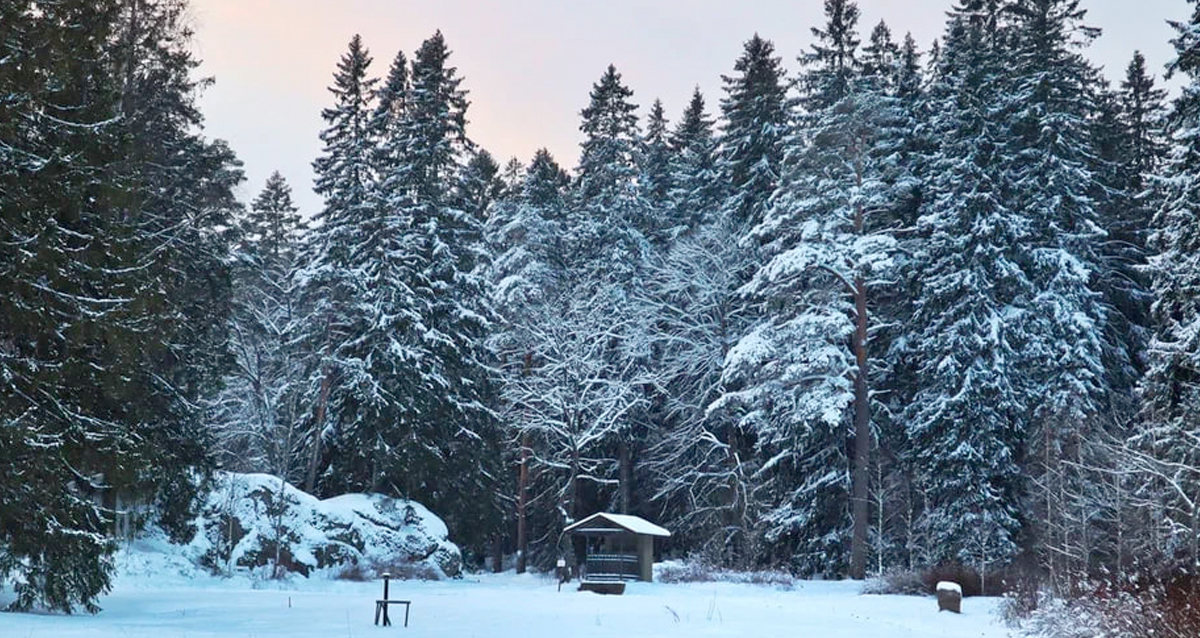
point(737, 539)
point(280, 504)
point(862, 414)
point(497, 555)
point(862, 438)
point(310, 479)
point(626, 486)
point(523, 506)
point(131, 56)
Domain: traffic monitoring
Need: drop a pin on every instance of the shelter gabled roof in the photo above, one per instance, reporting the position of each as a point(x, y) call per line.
point(631, 524)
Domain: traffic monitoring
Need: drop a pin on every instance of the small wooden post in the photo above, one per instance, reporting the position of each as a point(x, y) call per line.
point(387, 622)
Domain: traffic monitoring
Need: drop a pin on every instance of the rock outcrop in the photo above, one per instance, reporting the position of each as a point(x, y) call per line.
point(246, 516)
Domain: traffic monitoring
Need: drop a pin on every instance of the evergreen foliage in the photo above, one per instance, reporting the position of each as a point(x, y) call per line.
point(900, 309)
point(965, 418)
point(696, 187)
point(256, 415)
point(116, 280)
point(1168, 389)
point(757, 114)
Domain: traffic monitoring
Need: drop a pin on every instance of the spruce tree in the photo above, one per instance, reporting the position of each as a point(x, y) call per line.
point(656, 157)
point(113, 328)
point(696, 186)
point(882, 58)
point(612, 215)
point(909, 77)
point(612, 227)
point(450, 436)
point(273, 225)
point(1170, 399)
point(1129, 148)
point(966, 415)
point(390, 101)
point(833, 62)
point(480, 185)
point(757, 115)
point(1143, 112)
point(330, 288)
point(1049, 110)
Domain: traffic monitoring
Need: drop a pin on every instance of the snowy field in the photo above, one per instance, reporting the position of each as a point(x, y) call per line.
point(502, 606)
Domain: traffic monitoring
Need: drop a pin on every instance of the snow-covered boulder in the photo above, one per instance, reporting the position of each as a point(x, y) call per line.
point(244, 514)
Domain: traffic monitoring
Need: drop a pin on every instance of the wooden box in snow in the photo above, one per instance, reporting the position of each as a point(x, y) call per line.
point(949, 596)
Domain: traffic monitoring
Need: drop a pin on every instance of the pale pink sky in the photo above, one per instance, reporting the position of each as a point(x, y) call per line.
point(529, 64)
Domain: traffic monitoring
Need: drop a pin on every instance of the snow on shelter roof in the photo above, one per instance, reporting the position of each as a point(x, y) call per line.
point(632, 524)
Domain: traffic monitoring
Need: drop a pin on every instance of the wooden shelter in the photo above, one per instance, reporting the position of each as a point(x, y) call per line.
point(619, 547)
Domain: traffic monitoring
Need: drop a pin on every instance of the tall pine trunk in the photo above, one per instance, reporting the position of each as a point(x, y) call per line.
point(862, 438)
point(862, 414)
point(310, 479)
point(523, 506)
point(626, 477)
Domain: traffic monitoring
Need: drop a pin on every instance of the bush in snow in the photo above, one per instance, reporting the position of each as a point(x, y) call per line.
point(1160, 611)
point(904, 582)
point(693, 571)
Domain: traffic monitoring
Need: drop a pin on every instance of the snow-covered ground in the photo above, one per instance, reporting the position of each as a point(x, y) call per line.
point(157, 599)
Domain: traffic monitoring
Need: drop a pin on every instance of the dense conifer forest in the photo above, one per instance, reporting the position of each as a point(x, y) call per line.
point(906, 307)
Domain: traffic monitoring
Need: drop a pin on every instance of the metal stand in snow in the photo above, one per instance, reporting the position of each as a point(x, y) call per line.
point(381, 606)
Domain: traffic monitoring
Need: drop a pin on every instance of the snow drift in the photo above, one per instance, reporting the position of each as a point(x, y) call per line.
point(247, 521)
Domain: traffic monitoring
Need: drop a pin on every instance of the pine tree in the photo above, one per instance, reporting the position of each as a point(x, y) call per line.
point(757, 115)
point(696, 187)
point(1168, 390)
point(257, 413)
point(828, 243)
point(113, 326)
point(525, 236)
point(450, 436)
point(330, 287)
point(656, 158)
point(965, 418)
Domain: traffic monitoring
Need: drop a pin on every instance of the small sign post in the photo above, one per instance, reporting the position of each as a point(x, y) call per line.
point(381, 606)
point(386, 621)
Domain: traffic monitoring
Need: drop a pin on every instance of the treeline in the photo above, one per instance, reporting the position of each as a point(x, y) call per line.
point(900, 308)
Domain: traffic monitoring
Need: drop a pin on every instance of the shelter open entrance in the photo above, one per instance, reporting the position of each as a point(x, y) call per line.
point(620, 547)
